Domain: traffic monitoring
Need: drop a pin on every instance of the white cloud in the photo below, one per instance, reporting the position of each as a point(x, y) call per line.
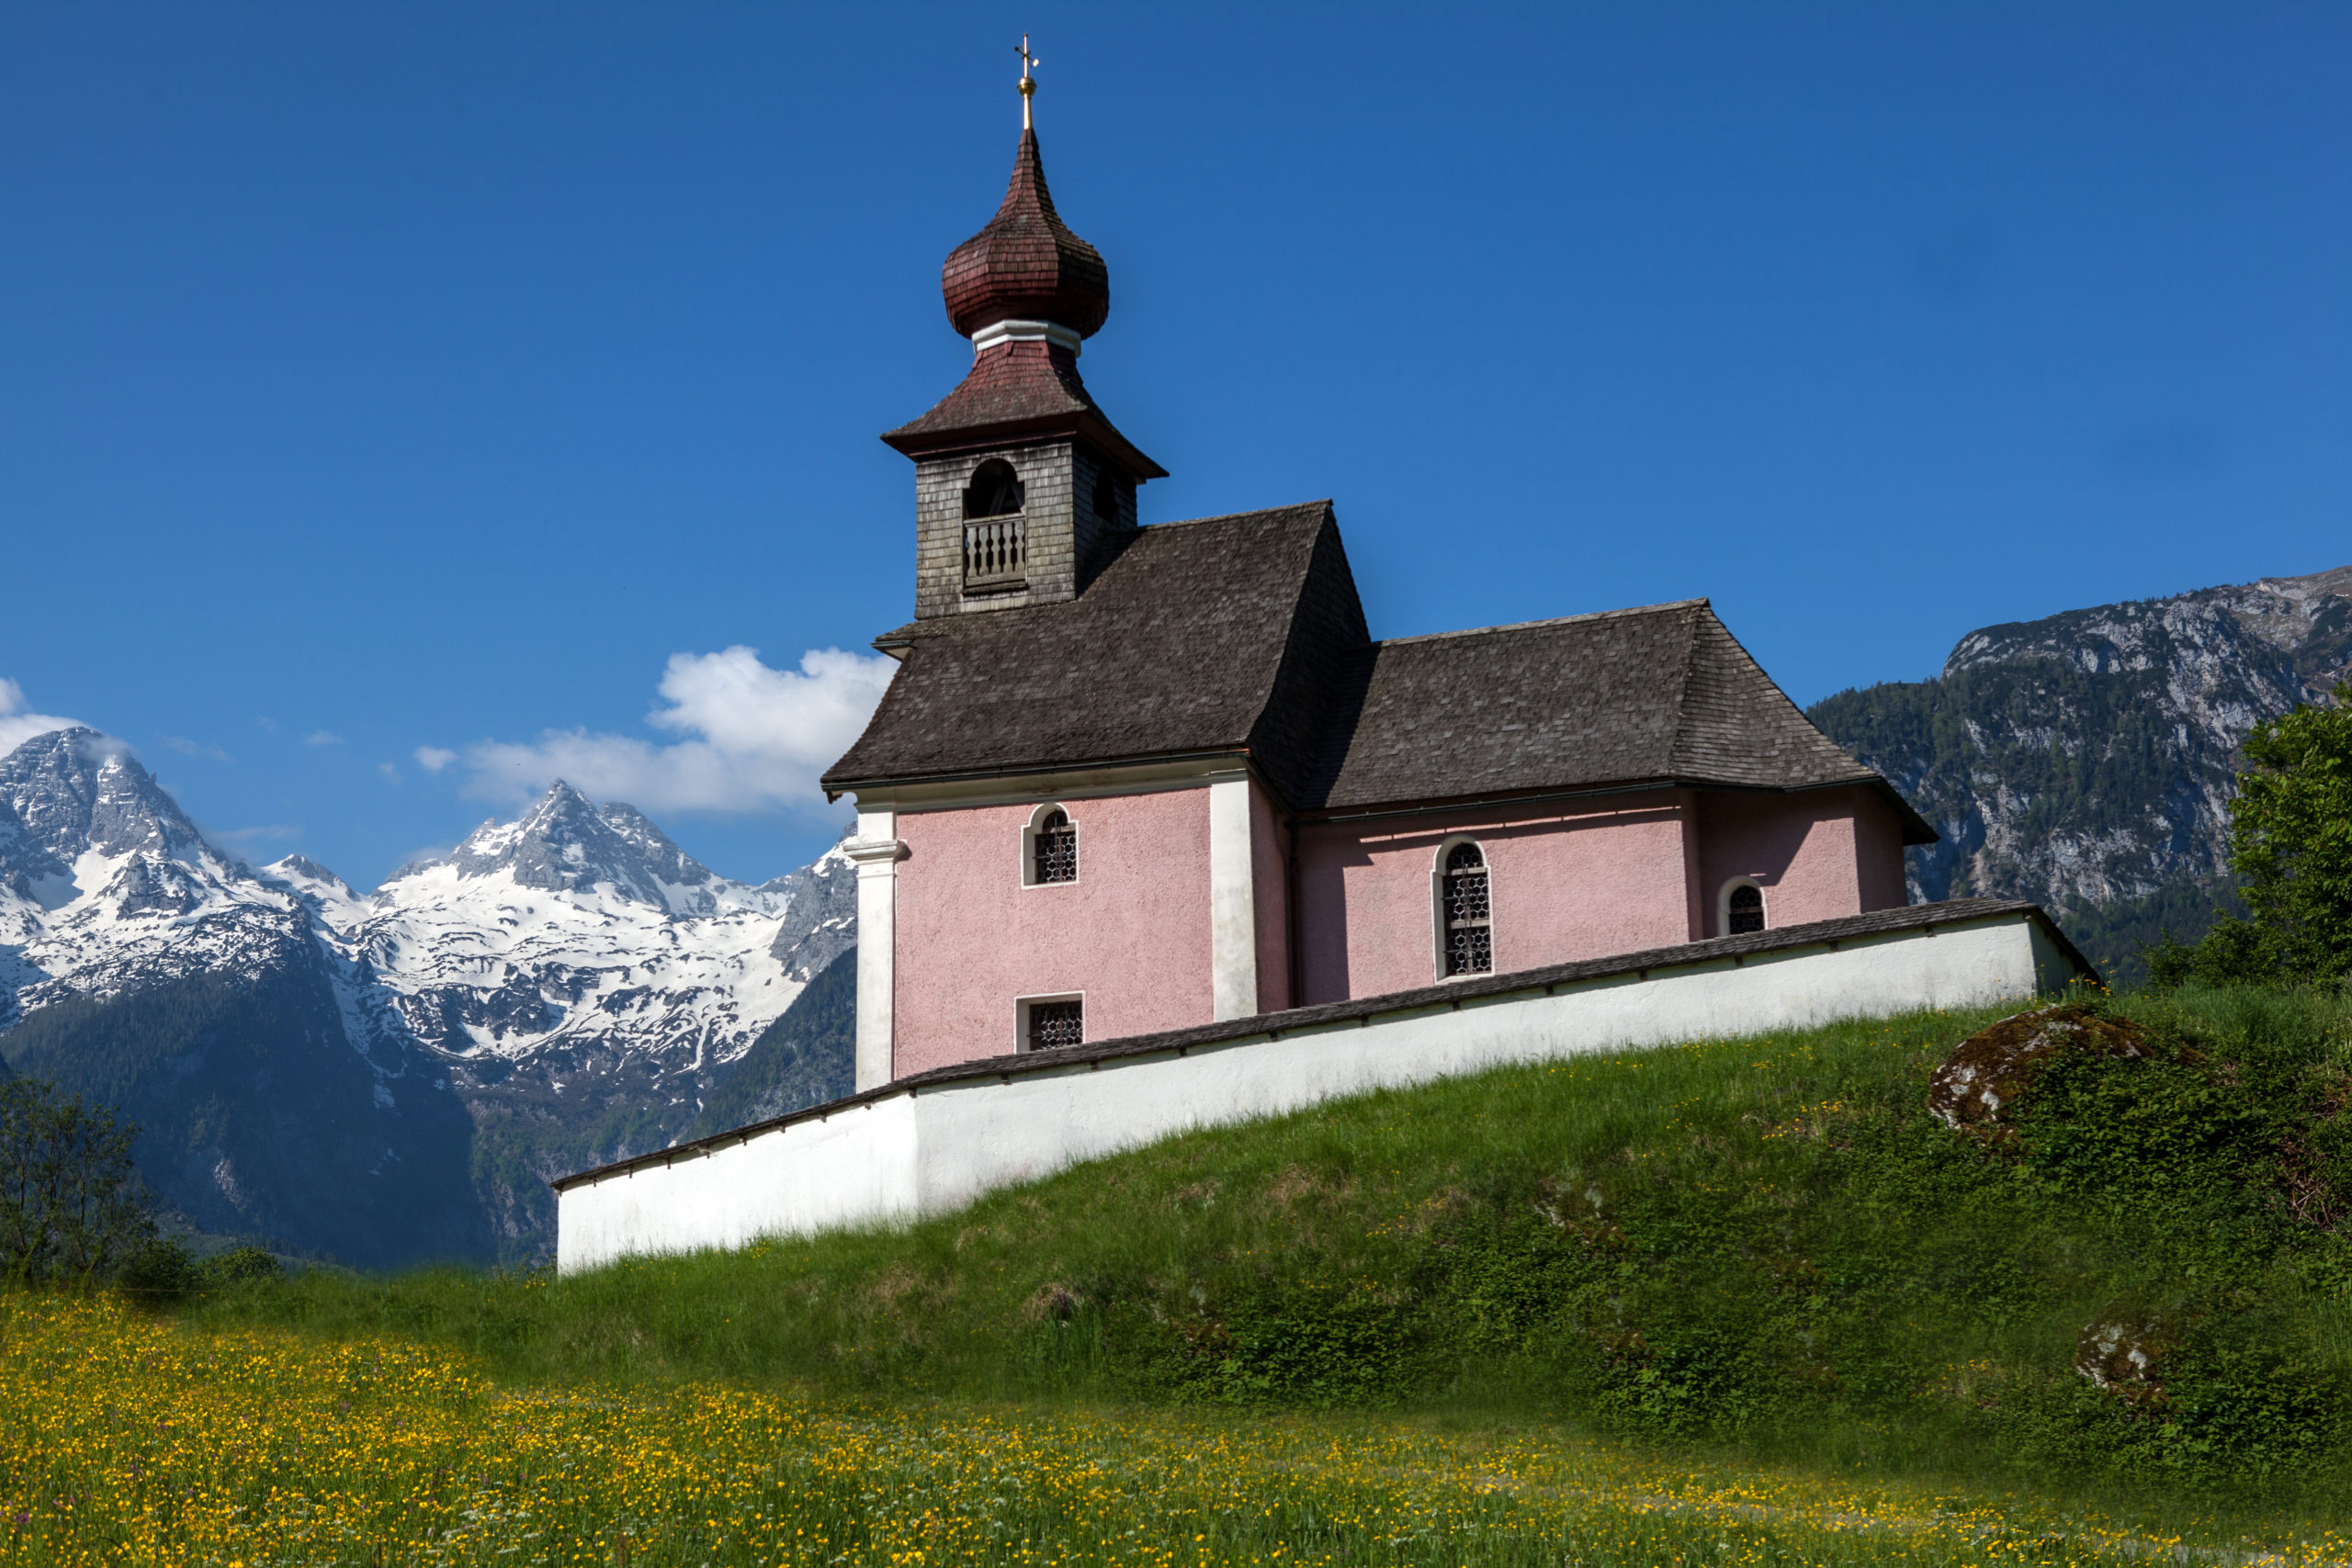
point(248, 841)
point(433, 759)
point(322, 737)
point(17, 725)
point(187, 747)
point(391, 775)
point(751, 738)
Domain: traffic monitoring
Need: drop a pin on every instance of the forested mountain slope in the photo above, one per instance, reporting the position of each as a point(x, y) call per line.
point(2086, 760)
point(805, 1058)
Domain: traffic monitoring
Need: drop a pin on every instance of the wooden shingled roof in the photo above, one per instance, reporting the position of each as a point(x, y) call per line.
point(1245, 634)
point(1182, 645)
point(1019, 392)
point(1660, 693)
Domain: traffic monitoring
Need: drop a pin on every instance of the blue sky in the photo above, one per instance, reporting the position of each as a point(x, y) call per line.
point(399, 401)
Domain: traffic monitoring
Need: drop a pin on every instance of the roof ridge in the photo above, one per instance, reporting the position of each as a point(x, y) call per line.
point(1295, 719)
point(1231, 516)
point(1554, 621)
point(1674, 757)
point(1829, 747)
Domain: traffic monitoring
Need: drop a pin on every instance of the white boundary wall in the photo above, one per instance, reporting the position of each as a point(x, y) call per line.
point(933, 1148)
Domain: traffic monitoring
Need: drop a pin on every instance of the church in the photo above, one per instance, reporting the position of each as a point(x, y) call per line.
point(1129, 780)
point(1154, 835)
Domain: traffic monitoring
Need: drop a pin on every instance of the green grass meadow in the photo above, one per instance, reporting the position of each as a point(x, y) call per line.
point(1758, 1253)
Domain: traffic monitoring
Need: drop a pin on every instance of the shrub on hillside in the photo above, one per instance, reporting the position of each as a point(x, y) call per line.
point(2290, 840)
point(72, 1208)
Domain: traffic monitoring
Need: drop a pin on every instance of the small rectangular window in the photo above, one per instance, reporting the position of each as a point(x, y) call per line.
point(1055, 1025)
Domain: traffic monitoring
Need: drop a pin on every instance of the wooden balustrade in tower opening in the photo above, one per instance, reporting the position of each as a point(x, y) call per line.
point(992, 553)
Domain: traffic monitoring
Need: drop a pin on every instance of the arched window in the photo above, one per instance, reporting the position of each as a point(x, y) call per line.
point(1465, 912)
point(1743, 908)
point(995, 491)
point(1053, 849)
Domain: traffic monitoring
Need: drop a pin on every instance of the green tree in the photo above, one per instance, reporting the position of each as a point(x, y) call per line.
point(2290, 844)
point(72, 1208)
point(2291, 835)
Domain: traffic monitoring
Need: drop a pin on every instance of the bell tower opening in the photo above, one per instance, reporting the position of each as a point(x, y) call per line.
point(994, 560)
point(995, 491)
point(1110, 497)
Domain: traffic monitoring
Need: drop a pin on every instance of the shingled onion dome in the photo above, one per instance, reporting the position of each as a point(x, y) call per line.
point(1027, 292)
point(1026, 267)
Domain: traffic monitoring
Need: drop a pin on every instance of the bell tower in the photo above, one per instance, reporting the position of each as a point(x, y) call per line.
point(1021, 486)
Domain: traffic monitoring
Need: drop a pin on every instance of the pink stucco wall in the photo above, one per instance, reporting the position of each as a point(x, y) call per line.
point(1131, 932)
point(1817, 855)
point(1878, 849)
point(1698, 922)
point(1269, 869)
point(1566, 884)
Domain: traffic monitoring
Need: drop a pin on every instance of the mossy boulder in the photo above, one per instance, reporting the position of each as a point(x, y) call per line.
point(2123, 1355)
point(1976, 1089)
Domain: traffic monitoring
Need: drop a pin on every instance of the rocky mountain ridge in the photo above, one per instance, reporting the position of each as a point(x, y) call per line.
point(2086, 761)
point(559, 989)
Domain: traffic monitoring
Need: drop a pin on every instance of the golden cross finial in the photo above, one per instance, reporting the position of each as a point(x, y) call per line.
point(1028, 84)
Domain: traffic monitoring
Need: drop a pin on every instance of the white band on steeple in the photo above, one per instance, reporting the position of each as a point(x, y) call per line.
point(1052, 333)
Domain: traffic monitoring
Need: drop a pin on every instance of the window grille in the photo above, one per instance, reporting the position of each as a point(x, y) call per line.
point(1052, 1025)
point(1057, 848)
point(1469, 918)
point(1745, 910)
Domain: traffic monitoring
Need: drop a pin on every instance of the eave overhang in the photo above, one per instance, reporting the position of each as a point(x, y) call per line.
point(1090, 427)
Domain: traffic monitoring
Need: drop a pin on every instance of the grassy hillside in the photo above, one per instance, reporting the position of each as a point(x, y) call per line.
point(1767, 1246)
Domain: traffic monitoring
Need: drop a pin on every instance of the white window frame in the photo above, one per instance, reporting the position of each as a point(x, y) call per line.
point(1446, 846)
point(1723, 903)
point(1022, 1005)
point(1029, 845)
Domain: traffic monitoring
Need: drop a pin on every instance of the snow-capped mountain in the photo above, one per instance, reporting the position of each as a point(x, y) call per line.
point(556, 990)
point(106, 886)
point(577, 928)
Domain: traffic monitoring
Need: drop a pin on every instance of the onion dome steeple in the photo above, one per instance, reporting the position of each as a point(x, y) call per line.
point(1027, 292)
point(1022, 487)
point(1026, 264)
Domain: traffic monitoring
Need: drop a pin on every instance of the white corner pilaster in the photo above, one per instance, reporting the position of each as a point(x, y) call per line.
point(1233, 902)
point(877, 853)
